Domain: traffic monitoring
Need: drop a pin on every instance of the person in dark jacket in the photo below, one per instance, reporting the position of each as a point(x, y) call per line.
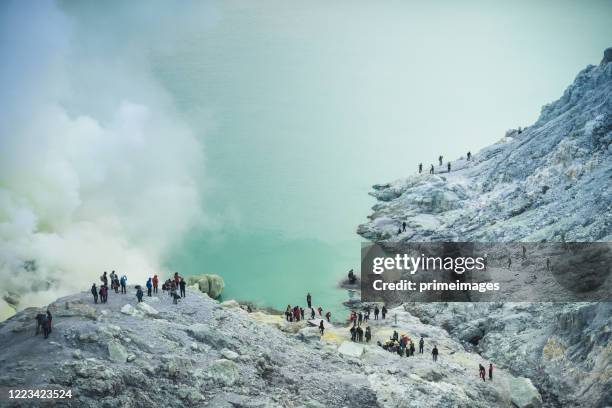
point(182, 284)
point(421, 345)
point(321, 327)
point(376, 312)
point(420, 168)
point(139, 294)
point(309, 299)
point(434, 353)
point(384, 312)
point(94, 292)
point(49, 319)
point(368, 334)
point(490, 372)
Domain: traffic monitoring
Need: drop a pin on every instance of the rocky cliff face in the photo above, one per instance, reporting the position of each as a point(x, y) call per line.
point(548, 182)
point(204, 353)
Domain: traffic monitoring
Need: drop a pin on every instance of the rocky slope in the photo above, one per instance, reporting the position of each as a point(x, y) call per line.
point(549, 182)
point(208, 354)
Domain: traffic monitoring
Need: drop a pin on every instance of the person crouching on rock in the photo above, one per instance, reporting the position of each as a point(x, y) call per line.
point(139, 294)
point(328, 316)
point(321, 327)
point(94, 292)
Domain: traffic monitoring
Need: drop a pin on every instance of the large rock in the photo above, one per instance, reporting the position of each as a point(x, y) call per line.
point(116, 352)
point(224, 371)
point(523, 393)
point(212, 285)
point(147, 309)
point(351, 349)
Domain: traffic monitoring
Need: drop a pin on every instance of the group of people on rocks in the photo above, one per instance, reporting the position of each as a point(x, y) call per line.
point(441, 161)
point(297, 313)
point(176, 283)
point(404, 346)
point(115, 283)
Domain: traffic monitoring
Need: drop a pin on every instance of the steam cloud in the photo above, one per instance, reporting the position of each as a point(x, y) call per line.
point(97, 170)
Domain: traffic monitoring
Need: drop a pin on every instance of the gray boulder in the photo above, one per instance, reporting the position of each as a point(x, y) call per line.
point(524, 394)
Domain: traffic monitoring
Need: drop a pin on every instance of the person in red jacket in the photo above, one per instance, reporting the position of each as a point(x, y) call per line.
point(155, 283)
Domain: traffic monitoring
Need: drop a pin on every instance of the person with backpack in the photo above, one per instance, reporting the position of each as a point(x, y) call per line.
point(149, 287)
point(123, 283)
point(94, 292)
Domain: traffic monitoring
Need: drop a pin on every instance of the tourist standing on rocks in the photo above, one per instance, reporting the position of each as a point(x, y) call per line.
point(353, 332)
point(112, 276)
point(139, 293)
point(548, 264)
point(104, 278)
point(177, 279)
point(312, 313)
point(404, 226)
point(360, 334)
point(49, 320)
point(309, 300)
point(40, 319)
point(115, 284)
point(302, 312)
point(431, 169)
point(469, 156)
point(321, 327)
point(448, 165)
point(328, 316)
point(481, 372)
point(434, 353)
point(384, 312)
point(149, 286)
point(94, 292)
point(420, 168)
point(123, 283)
point(376, 312)
point(509, 262)
point(288, 313)
point(366, 315)
point(421, 345)
point(155, 283)
point(103, 294)
point(440, 159)
point(359, 318)
point(182, 286)
point(46, 326)
point(412, 348)
point(368, 334)
point(320, 310)
point(490, 372)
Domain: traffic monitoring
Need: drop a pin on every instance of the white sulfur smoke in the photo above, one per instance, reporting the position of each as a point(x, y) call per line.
point(97, 171)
